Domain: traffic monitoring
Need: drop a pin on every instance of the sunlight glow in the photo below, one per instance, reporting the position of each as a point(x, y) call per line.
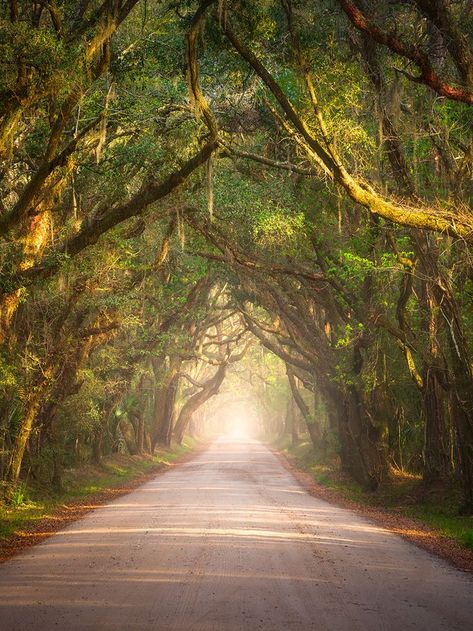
point(238, 420)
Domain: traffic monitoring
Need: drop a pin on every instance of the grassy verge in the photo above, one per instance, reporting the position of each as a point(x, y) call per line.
point(37, 503)
point(404, 494)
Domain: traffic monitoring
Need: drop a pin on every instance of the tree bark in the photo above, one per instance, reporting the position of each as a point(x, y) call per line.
point(32, 407)
point(165, 405)
point(312, 426)
point(210, 388)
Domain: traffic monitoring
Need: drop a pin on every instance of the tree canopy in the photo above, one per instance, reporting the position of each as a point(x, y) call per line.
point(197, 194)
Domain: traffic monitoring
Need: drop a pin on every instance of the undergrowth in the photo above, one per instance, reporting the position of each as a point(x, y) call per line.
point(404, 494)
point(29, 504)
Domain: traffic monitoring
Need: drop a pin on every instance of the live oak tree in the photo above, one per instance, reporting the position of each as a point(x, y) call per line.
point(310, 165)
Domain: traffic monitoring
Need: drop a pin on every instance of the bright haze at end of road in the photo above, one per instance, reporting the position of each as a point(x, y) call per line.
point(229, 542)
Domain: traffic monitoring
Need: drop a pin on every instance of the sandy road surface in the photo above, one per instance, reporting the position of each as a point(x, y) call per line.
point(227, 542)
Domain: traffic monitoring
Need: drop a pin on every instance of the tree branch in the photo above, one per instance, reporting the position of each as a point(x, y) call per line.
point(428, 75)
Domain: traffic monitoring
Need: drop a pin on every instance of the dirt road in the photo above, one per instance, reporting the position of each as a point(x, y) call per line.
point(229, 541)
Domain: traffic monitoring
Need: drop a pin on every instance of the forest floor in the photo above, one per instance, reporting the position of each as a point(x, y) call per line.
point(37, 512)
point(426, 516)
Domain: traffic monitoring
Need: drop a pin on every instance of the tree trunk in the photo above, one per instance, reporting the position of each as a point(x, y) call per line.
point(209, 389)
point(436, 456)
point(140, 438)
point(367, 459)
point(166, 413)
point(312, 426)
point(462, 407)
point(97, 448)
point(287, 428)
point(26, 425)
point(56, 477)
point(164, 399)
point(294, 428)
point(461, 376)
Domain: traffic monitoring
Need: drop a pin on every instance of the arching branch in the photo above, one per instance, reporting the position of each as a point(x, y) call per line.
point(406, 214)
point(428, 75)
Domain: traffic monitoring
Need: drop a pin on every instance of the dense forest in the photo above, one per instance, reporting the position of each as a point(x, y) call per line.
point(270, 200)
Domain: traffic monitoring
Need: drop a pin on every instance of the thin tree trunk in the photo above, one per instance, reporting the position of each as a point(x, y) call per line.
point(24, 430)
point(436, 459)
point(312, 426)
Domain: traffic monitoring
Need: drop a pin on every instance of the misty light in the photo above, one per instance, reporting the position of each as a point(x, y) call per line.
point(239, 419)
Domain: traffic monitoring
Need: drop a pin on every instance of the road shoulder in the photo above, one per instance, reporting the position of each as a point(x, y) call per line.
point(410, 529)
point(67, 512)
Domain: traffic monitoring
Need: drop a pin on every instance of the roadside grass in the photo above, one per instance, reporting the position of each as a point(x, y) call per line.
point(38, 502)
point(404, 494)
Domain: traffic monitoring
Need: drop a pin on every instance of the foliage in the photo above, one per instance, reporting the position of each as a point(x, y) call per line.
point(283, 207)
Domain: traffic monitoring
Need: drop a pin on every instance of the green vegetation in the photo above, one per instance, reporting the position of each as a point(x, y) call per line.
point(30, 505)
point(403, 494)
point(263, 201)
